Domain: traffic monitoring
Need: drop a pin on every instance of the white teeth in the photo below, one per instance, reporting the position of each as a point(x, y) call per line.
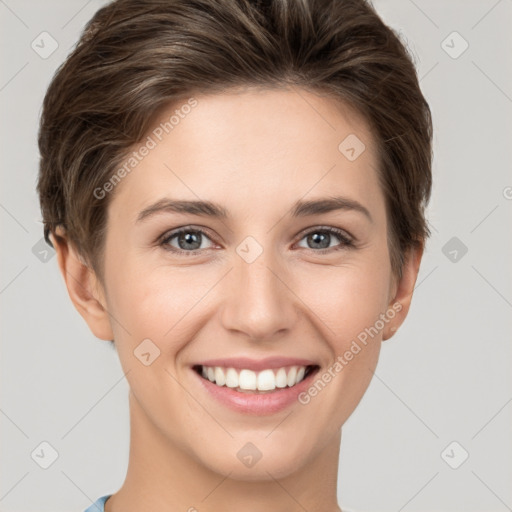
point(292, 376)
point(248, 380)
point(231, 378)
point(220, 378)
point(281, 379)
point(266, 380)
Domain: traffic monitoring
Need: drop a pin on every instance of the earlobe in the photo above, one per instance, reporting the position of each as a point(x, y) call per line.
point(401, 300)
point(83, 287)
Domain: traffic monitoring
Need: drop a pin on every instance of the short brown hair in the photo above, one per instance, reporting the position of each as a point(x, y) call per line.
point(135, 57)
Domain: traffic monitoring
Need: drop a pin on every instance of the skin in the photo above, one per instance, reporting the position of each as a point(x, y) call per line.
point(255, 152)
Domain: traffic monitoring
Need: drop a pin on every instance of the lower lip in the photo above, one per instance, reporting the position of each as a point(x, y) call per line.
point(254, 403)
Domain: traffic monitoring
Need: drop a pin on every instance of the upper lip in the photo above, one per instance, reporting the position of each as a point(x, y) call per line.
point(257, 364)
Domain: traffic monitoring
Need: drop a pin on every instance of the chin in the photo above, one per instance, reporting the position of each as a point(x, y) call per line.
point(255, 461)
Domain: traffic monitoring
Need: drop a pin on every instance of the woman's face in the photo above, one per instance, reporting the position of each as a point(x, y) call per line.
point(263, 287)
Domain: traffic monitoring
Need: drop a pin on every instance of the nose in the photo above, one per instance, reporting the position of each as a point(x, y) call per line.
point(258, 299)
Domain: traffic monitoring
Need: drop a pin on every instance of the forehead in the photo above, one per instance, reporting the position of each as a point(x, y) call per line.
point(251, 147)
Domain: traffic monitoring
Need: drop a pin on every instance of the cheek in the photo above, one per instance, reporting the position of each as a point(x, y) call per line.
point(163, 304)
point(347, 299)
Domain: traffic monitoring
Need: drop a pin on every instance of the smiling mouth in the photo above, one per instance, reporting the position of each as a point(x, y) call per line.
point(247, 381)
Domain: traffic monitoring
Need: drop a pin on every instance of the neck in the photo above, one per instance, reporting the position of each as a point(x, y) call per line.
point(162, 476)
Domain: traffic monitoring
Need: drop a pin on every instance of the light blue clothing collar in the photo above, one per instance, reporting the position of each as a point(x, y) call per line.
point(98, 505)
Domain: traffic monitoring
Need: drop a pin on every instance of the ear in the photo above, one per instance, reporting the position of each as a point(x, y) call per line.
point(84, 288)
point(403, 290)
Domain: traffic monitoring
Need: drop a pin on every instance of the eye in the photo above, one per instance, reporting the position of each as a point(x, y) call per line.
point(189, 241)
point(320, 239)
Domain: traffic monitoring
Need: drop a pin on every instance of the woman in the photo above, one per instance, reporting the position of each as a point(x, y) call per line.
point(289, 144)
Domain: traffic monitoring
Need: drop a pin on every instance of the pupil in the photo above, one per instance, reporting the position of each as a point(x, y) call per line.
point(321, 238)
point(190, 238)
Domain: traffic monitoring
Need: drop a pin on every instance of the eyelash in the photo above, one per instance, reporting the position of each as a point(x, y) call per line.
point(346, 242)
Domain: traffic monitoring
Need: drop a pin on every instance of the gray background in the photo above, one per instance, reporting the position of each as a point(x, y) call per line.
point(445, 376)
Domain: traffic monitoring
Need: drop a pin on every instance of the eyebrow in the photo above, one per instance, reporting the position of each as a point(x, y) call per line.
point(209, 209)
